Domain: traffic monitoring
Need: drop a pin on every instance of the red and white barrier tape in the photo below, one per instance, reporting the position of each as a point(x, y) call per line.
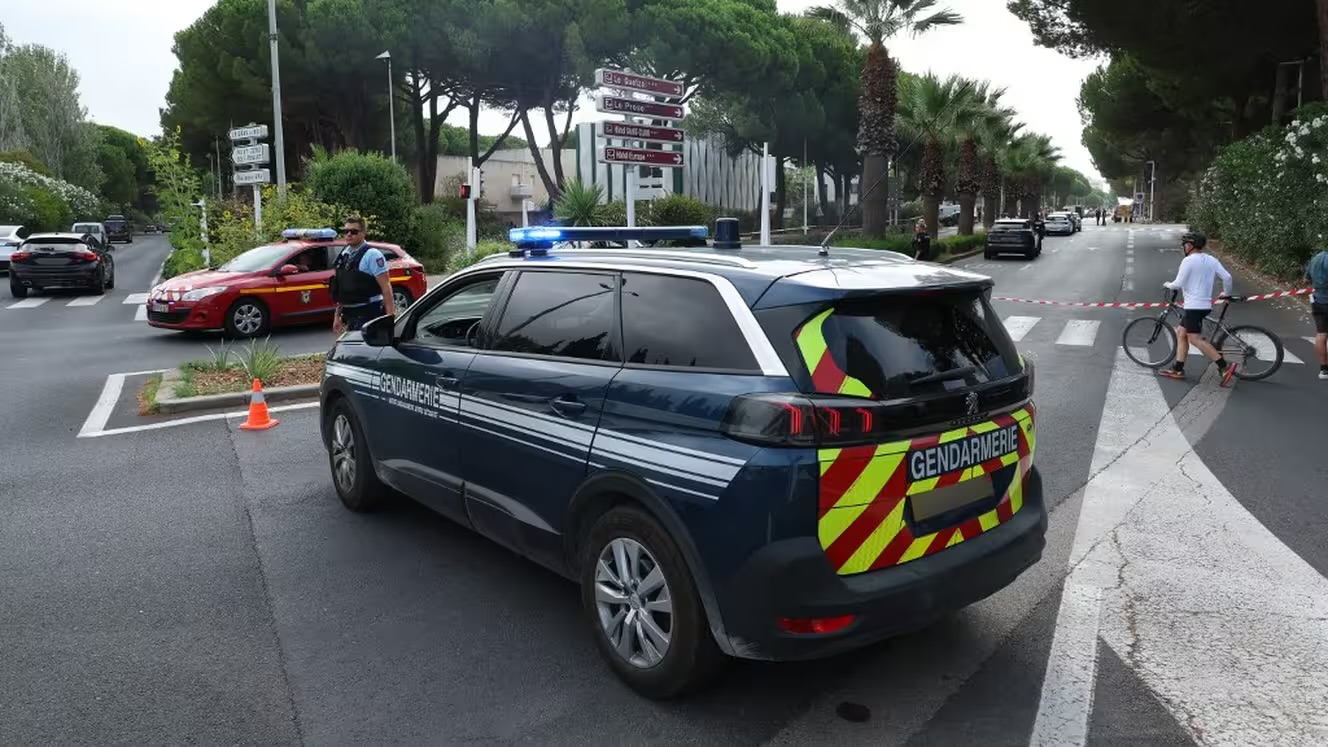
point(1143, 304)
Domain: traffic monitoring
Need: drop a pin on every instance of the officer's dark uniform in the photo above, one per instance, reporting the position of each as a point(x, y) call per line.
point(355, 290)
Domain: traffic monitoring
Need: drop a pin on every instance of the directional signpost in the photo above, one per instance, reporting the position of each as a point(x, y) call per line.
point(251, 159)
point(646, 122)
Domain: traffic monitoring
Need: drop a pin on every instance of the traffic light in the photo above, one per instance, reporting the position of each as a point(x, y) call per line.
point(465, 191)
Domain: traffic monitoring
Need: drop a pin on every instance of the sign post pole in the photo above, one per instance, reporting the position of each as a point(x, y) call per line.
point(472, 232)
point(203, 232)
point(765, 194)
point(258, 211)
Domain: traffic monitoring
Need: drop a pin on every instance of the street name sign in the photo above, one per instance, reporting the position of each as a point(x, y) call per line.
point(637, 156)
point(251, 154)
point(629, 131)
point(255, 176)
point(633, 107)
point(640, 83)
point(252, 132)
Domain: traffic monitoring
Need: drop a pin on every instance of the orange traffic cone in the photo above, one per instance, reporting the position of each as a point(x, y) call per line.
point(258, 419)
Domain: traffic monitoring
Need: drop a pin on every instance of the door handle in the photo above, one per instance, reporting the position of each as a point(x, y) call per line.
point(448, 381)
point(568, 408)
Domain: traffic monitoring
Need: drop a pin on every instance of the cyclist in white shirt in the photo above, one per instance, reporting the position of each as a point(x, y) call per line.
point(1195, 281)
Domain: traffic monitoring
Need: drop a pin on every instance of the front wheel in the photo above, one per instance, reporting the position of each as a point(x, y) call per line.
point(643, 608)
point(1149, 342)
point(1257, 352)
point(246, 318)
point(353, 475)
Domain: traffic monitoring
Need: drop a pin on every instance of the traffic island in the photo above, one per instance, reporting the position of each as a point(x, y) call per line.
point(225, 384)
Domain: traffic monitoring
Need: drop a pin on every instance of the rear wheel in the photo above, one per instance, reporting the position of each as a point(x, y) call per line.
point(1256, 352)
point(99, 287)
point(643, 608)
point(1149, 342)
point(16, 288)
point(246, 317)
point(110, 282)
point(401, 299)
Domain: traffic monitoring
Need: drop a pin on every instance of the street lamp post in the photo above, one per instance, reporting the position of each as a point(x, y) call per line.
point(1152, 180)
point(279, 144)
point(391, 102)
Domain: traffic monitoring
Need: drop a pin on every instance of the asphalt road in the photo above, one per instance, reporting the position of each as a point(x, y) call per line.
point(201, 584)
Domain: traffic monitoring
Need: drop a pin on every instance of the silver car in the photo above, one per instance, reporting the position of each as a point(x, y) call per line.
point(10, 238)
point(1059, 224)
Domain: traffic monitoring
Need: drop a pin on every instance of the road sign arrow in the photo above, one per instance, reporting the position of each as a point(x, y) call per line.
point(633, 82)
point(629, 131)
point(665, 158)
point(615, 105)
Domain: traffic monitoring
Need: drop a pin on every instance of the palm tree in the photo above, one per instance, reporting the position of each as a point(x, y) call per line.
point(935, 110)
point(878, 20)
point(995, 139)
point(1027, 164)
point(969, 180)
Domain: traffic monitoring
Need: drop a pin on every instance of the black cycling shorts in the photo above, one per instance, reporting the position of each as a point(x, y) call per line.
point(1320, 313)
point(1192, 321)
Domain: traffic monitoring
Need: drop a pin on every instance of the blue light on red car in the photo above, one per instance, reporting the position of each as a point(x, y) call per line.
point(309, 234)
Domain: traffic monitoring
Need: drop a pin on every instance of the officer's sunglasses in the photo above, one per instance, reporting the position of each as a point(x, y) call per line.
point(351, 231)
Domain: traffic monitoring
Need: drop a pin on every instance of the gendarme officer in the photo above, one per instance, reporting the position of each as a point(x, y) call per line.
point(361, 286)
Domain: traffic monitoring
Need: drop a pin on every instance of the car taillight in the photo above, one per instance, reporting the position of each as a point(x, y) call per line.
point(19, 256)
point(87, 256)
point(800, 421)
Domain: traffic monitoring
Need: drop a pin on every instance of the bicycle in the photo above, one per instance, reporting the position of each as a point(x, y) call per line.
point(1151, 341)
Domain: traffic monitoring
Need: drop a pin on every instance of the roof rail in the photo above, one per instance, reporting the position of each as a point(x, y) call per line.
point(539, 239)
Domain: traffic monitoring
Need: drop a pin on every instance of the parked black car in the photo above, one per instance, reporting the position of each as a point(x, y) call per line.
point(118, 228)
point(60, 260)
point(1013, 236)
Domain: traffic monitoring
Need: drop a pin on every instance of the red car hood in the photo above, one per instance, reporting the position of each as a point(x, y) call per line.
point(203, 279)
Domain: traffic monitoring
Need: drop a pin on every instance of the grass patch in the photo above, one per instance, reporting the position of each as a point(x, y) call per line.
point(199, 378)
point(903, 243)
point(147, 396)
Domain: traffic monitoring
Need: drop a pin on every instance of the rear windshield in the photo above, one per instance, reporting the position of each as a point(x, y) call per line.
point(911, 346)
point(115, 222)
point(86, 228)
point(59, 243)
point(1009, 226)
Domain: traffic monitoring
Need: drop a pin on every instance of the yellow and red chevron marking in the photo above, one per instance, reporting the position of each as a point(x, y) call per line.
point(827, 376)
point(864, 491)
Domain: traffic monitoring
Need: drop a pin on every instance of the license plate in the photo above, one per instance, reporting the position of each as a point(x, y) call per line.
point(160, 308)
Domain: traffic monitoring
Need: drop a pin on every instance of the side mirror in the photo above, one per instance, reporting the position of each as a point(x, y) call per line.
point(288, 270)
point(377, 332)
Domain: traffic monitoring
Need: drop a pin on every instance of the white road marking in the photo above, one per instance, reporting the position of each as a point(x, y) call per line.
point(29, 303)
point(85, 301)
point(110, 394)
point(1019, 326)
point(135, 298)
point(1218, 618)
point(1129, 259)
point(141, 314)
point(1062, 719)
point(190, 420)
point(1129, 285)
point(1079, 332)
point(1129, 269)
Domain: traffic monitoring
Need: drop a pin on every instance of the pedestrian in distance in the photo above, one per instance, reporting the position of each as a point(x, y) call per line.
point(1316, 272)
point(1194, 280)
point(921, 241)
point(361, 286)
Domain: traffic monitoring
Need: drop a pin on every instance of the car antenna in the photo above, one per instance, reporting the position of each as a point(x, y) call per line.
point(824, 250)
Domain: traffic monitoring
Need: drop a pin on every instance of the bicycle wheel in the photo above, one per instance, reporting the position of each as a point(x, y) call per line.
point(1149, 342)
point(1257, 351)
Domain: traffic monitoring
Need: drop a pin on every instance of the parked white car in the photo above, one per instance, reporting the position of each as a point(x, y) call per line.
point(10, 238)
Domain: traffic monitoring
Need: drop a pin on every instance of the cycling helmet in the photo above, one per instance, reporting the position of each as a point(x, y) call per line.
point(1196, 238)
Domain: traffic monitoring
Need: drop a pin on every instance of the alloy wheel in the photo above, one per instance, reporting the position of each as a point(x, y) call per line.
point(248, 319)
point(634, 603)
point(400, 300)
point(343, 454)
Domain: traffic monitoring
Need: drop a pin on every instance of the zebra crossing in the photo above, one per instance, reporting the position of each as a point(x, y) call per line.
point(80, 302)
point(1084, 333)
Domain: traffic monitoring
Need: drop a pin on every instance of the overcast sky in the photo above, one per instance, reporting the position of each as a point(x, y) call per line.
point(122, 50)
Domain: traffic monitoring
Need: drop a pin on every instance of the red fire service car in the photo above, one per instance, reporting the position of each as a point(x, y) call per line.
point(274, 285)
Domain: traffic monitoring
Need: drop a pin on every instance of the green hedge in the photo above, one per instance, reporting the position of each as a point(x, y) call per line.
point(1266, 197)
point(367, 182)
point(903, 243)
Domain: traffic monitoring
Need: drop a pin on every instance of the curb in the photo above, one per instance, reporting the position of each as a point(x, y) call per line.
point(169, 404)
point(956, 257)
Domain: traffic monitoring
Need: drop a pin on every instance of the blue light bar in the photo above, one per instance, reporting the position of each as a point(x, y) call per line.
point(309, 233)
point(548, 234)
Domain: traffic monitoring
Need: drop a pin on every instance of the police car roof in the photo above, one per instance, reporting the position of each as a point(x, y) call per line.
point(754, 269)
